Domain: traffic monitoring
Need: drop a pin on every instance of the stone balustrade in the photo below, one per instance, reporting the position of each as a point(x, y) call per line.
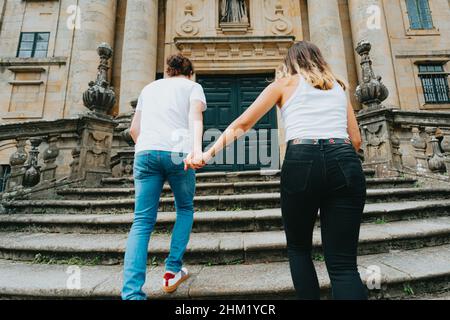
point(41, 160)
point(396, 140)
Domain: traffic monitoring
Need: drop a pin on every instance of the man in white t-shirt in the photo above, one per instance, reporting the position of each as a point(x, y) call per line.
point(167, 126)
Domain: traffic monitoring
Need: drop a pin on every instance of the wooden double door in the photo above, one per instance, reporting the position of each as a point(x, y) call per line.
point(228, 96)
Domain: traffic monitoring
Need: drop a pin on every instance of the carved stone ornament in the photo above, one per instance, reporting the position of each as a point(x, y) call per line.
point(188, 25)
point(281, 25)
point(32, 174)
point(100, 96)
point(374, 134)
point(371, 92)
point(18, 158)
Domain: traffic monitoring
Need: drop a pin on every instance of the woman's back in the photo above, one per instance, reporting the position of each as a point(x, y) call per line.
point(165, 108)
point(311, 113)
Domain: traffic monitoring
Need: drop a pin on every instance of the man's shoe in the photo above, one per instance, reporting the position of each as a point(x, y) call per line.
point(172, 281)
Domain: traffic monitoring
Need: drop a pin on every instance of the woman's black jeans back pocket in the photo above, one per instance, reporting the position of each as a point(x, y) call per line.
point(295, 175)
point(352, 170)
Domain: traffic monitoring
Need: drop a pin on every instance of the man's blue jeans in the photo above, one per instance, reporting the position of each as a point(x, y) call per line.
point(151, 170)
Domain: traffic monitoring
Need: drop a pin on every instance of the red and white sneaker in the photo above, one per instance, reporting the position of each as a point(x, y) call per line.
point(172, 281)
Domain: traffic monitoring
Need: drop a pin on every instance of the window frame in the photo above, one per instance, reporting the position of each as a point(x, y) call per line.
point(35, 42)
point(433, 75)
point(418, 32)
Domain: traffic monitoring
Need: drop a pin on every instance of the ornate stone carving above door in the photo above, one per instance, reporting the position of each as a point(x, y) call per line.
point(281, 24)
point(189, 24)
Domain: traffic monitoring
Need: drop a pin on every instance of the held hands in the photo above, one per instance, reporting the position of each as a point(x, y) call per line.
point(196, 160)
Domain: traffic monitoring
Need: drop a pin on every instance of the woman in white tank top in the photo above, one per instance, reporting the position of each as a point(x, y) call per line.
point(321, 170)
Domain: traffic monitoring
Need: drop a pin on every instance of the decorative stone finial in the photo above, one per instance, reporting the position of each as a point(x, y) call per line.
point(100, 96)
point(372, 92)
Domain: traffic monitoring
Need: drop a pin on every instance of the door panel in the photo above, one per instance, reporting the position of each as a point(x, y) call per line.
point(227, 98)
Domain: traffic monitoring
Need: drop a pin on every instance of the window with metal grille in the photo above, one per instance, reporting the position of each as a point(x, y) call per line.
point(434, 83)
point(33, 45)
point(419, 14)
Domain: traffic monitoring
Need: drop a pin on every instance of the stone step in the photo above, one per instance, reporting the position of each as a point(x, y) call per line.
point(216, 247)
point(210, 221)
point(254, 175)
point(206, 203)
point(218, 188)
point(403, 274)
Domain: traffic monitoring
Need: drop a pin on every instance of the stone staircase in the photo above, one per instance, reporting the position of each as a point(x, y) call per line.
point(237, 249)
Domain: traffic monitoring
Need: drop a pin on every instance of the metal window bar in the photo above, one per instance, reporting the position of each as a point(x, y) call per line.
point(435, 87)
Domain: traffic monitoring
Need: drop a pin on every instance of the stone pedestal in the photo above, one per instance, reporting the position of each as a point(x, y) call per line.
point(92, 157)
point(380, 145)
point(368, 23)
point(326, 32)
point(139, 50)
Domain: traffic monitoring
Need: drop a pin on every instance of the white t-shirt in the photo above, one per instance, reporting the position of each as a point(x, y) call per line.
point(164, 106)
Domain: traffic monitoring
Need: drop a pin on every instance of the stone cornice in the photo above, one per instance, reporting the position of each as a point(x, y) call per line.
point(29, 129)
point(14, 62)
point(236, 39)
point(408, 118)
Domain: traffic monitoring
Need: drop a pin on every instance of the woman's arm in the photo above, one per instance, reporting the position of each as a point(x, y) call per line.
point(266, 100)
point(135, 129)
point(353, 128)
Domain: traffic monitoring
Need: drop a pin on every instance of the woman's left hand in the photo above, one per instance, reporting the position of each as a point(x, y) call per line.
point(194, 161)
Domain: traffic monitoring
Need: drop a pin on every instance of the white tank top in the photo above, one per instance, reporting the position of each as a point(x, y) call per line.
point(312, 113)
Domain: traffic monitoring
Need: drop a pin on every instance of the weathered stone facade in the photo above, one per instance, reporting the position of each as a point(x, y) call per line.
point(144, 32)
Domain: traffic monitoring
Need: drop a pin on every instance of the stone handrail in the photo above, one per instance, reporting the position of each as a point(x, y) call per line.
point(34, 165)
point(413, 140)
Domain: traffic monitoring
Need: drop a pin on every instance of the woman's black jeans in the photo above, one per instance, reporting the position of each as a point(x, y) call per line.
point(329, 178)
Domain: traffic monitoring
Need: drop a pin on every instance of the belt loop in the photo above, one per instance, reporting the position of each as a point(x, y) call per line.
point(321, 144)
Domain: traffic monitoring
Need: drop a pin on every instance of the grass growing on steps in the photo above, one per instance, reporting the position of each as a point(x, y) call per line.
point(408, 290)
point(74, 261)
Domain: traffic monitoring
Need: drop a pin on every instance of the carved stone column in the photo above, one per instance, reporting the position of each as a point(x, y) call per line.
point(368, 22)
point(139, 50)
point(326, 32)
point(97, 26)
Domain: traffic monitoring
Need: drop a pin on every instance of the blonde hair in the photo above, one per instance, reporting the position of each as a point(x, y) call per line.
point(306, 59)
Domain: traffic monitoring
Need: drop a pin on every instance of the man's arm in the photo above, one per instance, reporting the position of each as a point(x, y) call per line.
point(135, 129)
point(196, 129)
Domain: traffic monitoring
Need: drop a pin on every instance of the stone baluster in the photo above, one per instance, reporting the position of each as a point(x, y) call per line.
point(420, 147)
point(75, 164)
point(17, 162)
point(32, 175)
point(48, 172)
point(126, 155)
point(445, 146)
point(436, 161)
